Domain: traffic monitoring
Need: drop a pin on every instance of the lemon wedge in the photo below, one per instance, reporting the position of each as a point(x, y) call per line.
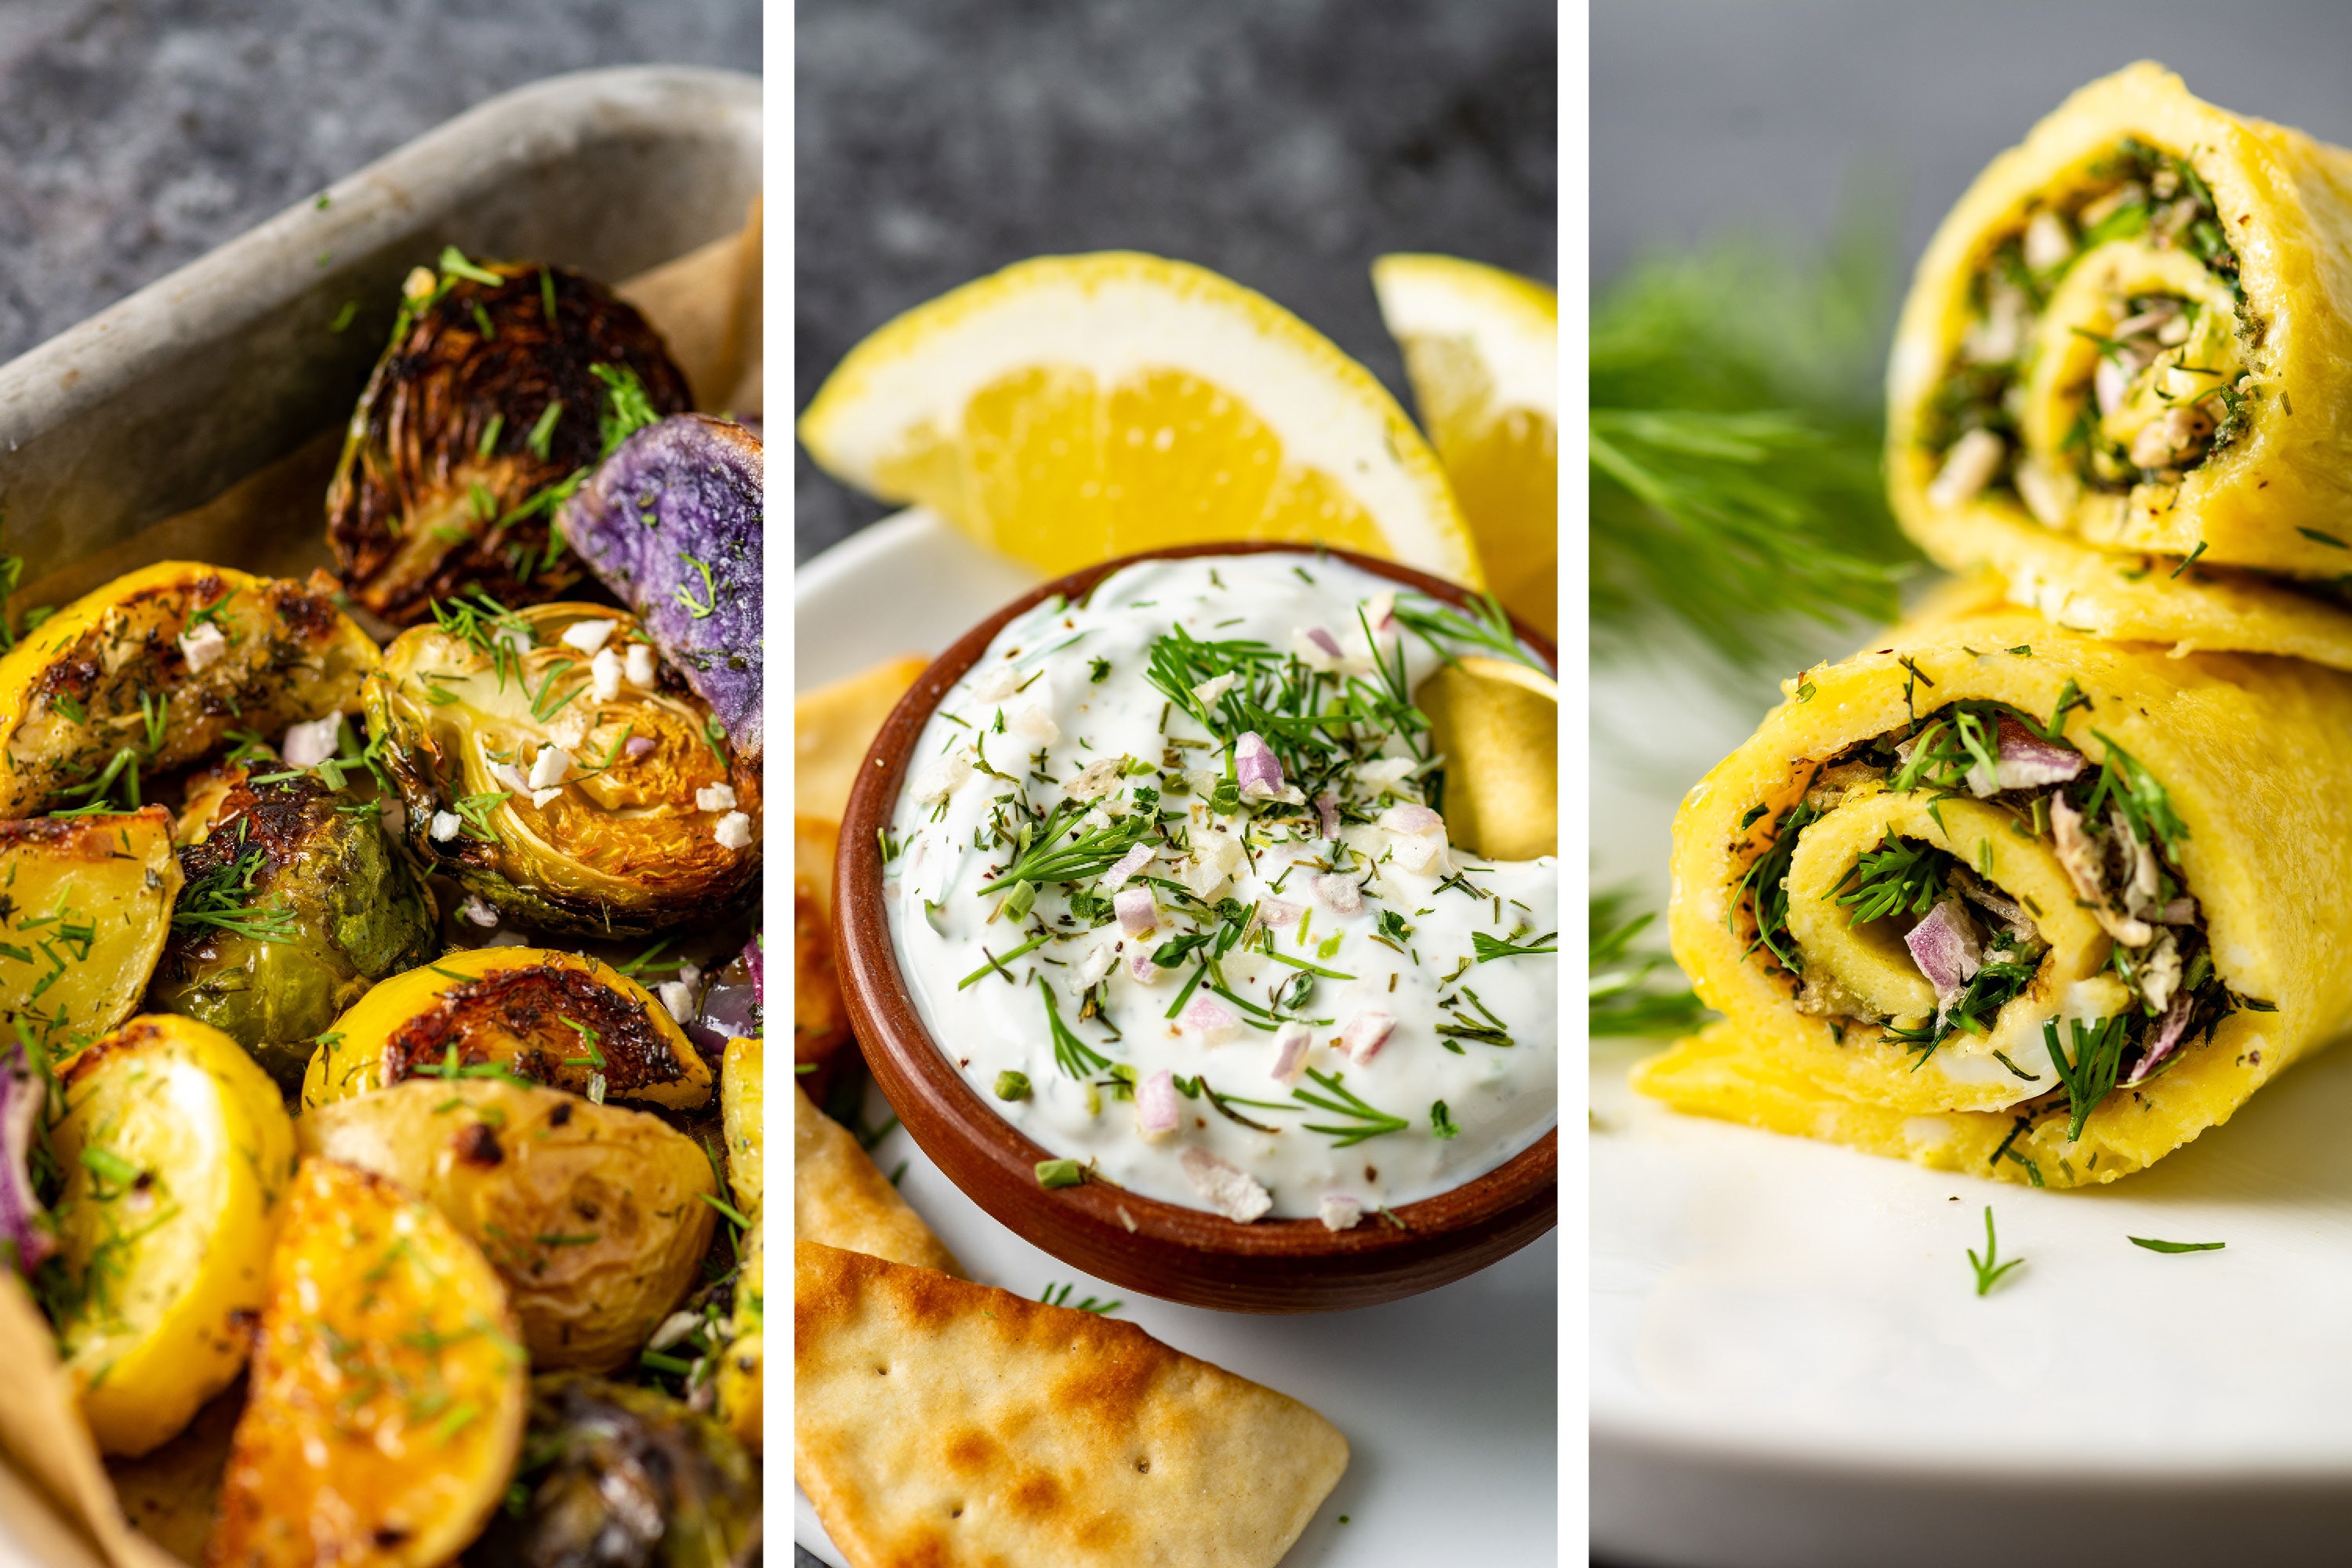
point(1073, 408)
point(1482, 348)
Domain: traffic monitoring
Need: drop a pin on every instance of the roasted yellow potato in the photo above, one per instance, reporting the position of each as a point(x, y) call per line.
point(85, 905)
point(594, 1215)
point(530, 1013)
point(389, 1389)
point(742, 1364)
point(154, 669)
point(175, 1150)
point(740, 1076)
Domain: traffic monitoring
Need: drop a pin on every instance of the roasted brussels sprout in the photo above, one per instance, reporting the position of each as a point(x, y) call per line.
point(594, 1215)
point(294, 905)
point(85, 902)
point(671, 522)
point(503, 385)
point(521, 1013)
point(615, 1476)
point(389, 1394)
point(559, 779)
point(175, 1150)
point(150, 672)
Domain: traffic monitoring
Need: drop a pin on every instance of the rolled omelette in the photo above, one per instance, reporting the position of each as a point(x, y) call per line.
point(2127, 348)
point(1998, 897)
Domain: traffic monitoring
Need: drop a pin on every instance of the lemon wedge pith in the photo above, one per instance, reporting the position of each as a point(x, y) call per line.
point(1482, 348)
point(1072, 408)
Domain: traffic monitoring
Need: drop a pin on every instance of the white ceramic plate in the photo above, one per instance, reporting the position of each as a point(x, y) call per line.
point(1449, 1401)
point(1790, 1362)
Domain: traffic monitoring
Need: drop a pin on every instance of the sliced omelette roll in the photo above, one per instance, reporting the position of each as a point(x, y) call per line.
point(2127, 348)
point(1996, 897)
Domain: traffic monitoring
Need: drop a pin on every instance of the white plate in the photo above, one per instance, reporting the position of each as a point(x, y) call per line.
point(1790, 1362)
point(1448, 1401)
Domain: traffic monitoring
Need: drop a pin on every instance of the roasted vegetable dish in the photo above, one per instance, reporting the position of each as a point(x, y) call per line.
point(380, 1008)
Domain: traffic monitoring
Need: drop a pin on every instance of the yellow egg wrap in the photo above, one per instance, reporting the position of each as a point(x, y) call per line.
point(2255, 755)
point(2266, 514)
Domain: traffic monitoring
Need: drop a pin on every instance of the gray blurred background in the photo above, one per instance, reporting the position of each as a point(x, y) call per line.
point(1709, 114)
point(1283, 142)
point(137, 134)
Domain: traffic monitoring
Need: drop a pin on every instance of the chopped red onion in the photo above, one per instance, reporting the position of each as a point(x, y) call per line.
point(1340, 894)
point(2026, 761)
point(1255, 767)
point(1944, 946)
point(1127, 865)
point(2177, 912)
point(1278, 914)
point(1364, 1036)
point(1326, 807)
point(1157, 1113)
point(1290, 1046)
point(1138, 910)
point(1226, 1188)
point(1211, 1021)
point(1411, 816)
point(637, 746)
point(2168, 1031)
point(22, 1224)
point(1325, 641)
point(1143, 969)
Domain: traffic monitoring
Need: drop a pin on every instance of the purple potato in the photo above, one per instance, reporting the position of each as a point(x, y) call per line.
point(671, 523)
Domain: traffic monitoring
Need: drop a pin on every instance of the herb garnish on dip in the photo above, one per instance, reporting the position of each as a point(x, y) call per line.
point(1169, 863)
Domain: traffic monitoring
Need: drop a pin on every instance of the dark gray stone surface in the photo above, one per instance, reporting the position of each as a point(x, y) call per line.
point(137, 134)
point(1283, 142)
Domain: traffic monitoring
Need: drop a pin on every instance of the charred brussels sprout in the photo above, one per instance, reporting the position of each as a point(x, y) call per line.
point(615, 1476)
point(292, 905)
point(555, 770)
point(671, 522)
point(503, 385)
point(150, 673)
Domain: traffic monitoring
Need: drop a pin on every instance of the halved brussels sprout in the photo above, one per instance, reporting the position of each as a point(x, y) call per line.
point(152, 671)
point(175, 1151)
point(85, 902)
point(616, 1476)
point(594, 1215)
point(294, 906)
point(521, 1013)
point(551, 781)
point(503, 385)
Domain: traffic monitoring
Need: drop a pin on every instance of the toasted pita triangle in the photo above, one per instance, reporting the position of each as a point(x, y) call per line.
point(943, 1423)
point(841, 1199)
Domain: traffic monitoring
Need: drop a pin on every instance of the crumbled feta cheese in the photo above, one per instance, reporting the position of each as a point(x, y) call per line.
point(478, 911)
point(445, 825)
point(309, 744)
point(640, 665)
point(1338, 1212)
point(1097, 962)
point(1381, 774)
point(1097, 779)
point(588, 636)
point(550, 767)
point(1208, 691)
point(678, 998)
point(1340, 894)
point(202, 648)
point(1032, 726)
point(997, 684)
point(715, 797)
point(734, 831)
point(605, 675)
point(1226, 1188)
point(517, 638)
point(942, 777)
point(539, 797)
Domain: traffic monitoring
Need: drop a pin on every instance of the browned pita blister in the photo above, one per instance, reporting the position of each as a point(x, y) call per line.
point(839, 1198)
point(941, 1423)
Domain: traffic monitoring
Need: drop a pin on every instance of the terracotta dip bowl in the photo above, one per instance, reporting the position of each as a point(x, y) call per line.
point(1137, 1243)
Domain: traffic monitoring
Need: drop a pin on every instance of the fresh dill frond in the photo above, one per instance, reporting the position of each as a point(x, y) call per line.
point(1990, 1271)
point(1630, 991)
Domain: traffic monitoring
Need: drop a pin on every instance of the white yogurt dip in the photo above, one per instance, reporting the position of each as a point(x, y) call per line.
point(1320, 1034)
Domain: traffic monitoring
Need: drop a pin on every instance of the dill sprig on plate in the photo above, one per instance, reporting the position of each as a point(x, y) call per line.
point(1734, 472)
point(1631, 990)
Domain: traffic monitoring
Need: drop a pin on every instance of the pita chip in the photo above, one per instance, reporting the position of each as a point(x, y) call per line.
point(941, 1423)
point(834, 725)
point(840, 1199)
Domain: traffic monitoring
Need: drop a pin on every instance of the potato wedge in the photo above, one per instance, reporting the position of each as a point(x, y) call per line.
point(741, 1096)
point(741, 1365)
point(175, 1150)
point(85, 906)
point(593, 1215)
point(162, 663)
point(525, 1013)
point(389, 1390)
